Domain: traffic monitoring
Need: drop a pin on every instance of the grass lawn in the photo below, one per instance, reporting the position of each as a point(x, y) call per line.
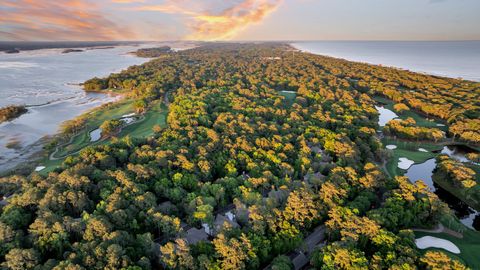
point(50, 165)
point(469, 245)
point(476, 168)
point(156, 115)
point(95, 119)
point(408, 150)
point(289, 97)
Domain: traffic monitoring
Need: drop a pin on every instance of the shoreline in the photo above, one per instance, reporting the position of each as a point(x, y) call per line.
point(297, 46)
point(31, 152)
point(46, 114)
point(13, 47)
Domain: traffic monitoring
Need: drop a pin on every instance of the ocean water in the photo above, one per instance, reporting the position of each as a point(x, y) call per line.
point(47, 82)
point(455, 59)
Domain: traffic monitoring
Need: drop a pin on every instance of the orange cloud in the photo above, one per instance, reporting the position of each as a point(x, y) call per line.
point(207, 24)
point(167, 8)
point(127, 1)
point(57, 20)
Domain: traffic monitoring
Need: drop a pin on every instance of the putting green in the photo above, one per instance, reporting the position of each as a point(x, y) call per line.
point(408, 150)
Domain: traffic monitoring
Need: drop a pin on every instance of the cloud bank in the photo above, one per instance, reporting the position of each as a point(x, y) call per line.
point(57, 20)
point(92, 20)
point(214, 21)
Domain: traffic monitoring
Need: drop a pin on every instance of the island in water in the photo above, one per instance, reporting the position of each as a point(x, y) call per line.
point(11, 112)
point(72, 50)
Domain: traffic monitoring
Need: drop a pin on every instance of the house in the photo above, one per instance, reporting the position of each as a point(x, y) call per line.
point(230, 215)
point(299, 261)
point(314, 177)
point(313, 239)
point(195, 235)
point(220, 221)
point(316, 150)
point(167, 208)
point(4, 201)
point(280, 195)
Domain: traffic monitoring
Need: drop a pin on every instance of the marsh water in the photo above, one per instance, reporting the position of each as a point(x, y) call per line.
point(424, 171)
point(47, 82)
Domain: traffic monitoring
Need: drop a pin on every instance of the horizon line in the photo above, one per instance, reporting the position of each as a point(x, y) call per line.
point(243, 41)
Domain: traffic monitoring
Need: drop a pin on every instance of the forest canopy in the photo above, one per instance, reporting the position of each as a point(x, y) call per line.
point(241, 177)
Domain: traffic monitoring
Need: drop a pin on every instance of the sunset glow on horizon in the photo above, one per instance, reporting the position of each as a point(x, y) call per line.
point(90, 20)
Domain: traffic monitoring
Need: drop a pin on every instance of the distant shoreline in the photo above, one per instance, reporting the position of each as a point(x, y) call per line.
point(445, 59)
point(16, 47)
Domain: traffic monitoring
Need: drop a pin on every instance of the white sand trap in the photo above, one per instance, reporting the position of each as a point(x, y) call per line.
point(128, 120)
point(95, 135)
point(128, 115)
point(440, 125)
point(430, 241)
point(39, 168)
point(391, 146)
point(423, 150)
point(405, 163)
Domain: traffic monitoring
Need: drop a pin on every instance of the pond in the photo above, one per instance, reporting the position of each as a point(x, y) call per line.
point(95, 135)
point(424, 171)
point(385, 115)
point(458, 152)
point(467, 215)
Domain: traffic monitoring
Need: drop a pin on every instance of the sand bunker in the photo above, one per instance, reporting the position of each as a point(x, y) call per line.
point(128, 115)
point(405, 163)
point(430, 241)
point(95, 135)
point(391, 146)
point(423, 150)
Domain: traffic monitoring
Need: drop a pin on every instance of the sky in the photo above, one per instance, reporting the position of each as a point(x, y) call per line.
point(160, 20)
